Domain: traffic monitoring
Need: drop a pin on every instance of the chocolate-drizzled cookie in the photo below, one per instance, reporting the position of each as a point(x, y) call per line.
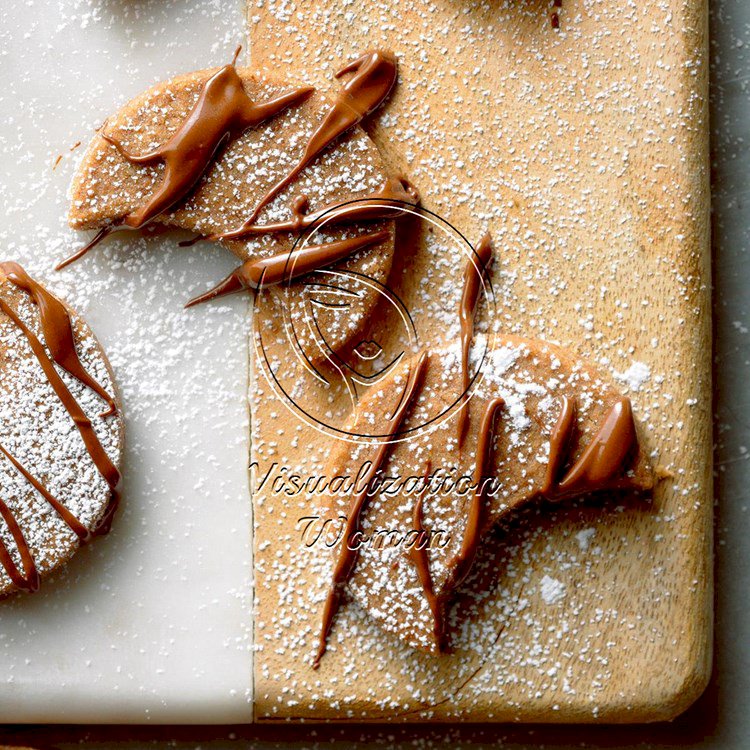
point(251, 163)
point(540, 424)
point(60, 433)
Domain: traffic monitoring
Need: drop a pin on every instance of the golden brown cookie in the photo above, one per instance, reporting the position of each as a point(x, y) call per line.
point(541, 423)
point(110, 188)
point(61, 433)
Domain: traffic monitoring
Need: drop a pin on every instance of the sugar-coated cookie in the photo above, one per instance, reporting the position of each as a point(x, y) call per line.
point(280, 157)
point(541, 424)
point(61, 433)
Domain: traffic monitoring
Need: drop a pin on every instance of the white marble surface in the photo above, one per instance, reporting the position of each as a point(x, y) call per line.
point(151, 623)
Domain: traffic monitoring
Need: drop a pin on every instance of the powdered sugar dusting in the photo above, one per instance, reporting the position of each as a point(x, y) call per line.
point(582, 151)
point(635, 376)
point(584, 538)
point(40, 434)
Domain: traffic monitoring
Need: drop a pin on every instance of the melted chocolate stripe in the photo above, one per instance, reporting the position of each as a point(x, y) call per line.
point(602, 460)
point(559, 444)
point(29, 579)
point(254, 274)
point(98, 455)
point(348, 557)
point(384, 203)
point(374, 76)
point(57, 329)
point(605, 455)
point(473, 272)
point(421, 561)
point(73, 523)
point(222, 112)
point(90, 245)
point(460, 565)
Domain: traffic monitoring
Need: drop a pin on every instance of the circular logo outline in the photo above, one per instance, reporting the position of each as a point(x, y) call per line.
point(340, 433)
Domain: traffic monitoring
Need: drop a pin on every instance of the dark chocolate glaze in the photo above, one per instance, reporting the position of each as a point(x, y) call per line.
point(348, 557)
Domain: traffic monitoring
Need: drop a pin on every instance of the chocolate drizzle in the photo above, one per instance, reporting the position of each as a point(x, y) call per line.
point(374, 74)
point(384, 203)
point(222, 112)
point(460, 565)
point(257, 274)
point(421, 561)
point(347, 557)
point(57, 329)
point(473, 273)
point(90, 245)
point(600, 466)
point(602, 462)
point(52, 328)
point(73, 523)
point(28, 580)
point(559, 444)
point(98, 455)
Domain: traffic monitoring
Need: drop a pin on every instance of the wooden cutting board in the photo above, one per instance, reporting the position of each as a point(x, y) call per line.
point(584, 150)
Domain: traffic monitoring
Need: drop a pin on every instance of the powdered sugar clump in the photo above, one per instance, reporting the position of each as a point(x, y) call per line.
point(552, 590)
point(635, 376)
point(584, 538)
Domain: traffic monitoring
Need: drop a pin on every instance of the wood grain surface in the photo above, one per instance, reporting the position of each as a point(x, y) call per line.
point(584, 150)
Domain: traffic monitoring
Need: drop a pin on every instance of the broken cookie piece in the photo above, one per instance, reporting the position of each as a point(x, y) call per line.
point(217, 150)
point(541, 424)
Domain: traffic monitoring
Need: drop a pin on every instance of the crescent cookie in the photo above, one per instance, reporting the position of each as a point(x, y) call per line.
point(126, 165)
